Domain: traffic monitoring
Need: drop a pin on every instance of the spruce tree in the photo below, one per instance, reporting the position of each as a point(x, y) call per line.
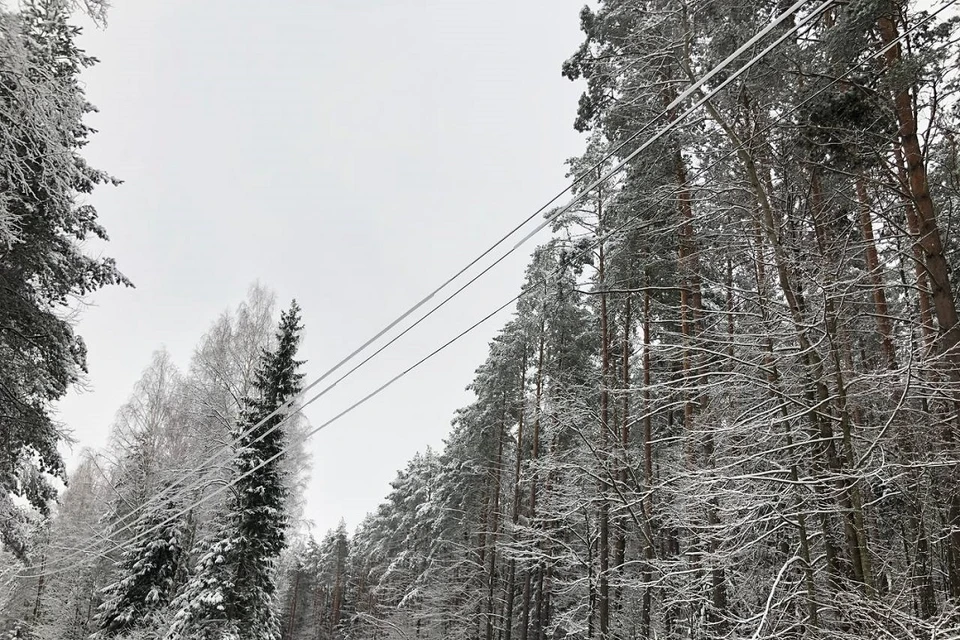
point(43, 268)
point(148, 573)
point(231, 594)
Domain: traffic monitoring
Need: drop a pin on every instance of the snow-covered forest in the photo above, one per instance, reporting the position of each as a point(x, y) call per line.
point(727, 404)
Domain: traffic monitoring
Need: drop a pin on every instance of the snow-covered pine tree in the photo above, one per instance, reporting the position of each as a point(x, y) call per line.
point(231, 593)
point(42, 264)
point(148, 573)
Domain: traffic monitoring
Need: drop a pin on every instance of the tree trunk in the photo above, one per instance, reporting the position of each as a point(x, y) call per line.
point(647, 604)
point(604, 507)
point(849, 490)
point(938, 270)
point(515, 515)
point(884, 328)
point(622, 471)
point(534, 454)
point(494, 525)
point(775, 390)
point(292, 618)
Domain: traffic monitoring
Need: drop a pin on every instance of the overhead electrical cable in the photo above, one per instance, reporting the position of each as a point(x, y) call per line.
point(178, 488)
point(549, 219)
point(226, 447)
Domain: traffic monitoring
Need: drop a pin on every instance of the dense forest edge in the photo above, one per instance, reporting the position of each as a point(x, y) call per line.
point(726, 405)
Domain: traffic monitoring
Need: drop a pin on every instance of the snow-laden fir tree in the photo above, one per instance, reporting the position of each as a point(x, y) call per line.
point(42, 264)
point(232, 591)
point(148, 573)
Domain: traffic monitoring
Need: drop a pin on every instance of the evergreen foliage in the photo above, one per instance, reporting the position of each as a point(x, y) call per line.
point(232, 591)
point(149, 570)
point(43, 268)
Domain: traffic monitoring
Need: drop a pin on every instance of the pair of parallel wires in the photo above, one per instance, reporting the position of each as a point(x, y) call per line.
point(180, 490)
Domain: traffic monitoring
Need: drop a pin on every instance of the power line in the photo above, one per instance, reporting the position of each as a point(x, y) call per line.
point(179, 486)
point(229, 445)
point(549, 219)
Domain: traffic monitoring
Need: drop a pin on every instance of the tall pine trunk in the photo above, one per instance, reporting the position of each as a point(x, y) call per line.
point(534, 455)
point(937, 267)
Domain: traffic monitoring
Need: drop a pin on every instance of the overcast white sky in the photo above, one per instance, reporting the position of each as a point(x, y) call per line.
point(348, 153)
